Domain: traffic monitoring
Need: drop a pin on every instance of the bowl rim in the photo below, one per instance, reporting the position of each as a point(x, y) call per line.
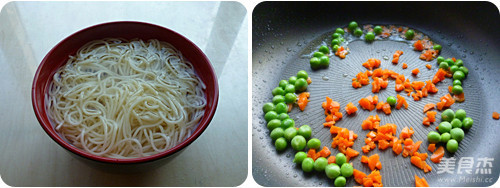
point(49, 129)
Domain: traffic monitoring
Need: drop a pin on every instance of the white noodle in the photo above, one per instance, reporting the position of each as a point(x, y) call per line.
point(125, 99)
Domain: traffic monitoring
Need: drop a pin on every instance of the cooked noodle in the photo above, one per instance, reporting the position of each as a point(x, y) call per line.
point(125, 99)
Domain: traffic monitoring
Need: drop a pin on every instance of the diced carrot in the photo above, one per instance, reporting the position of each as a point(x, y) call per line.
point(420, 182)
point(366, 148)
point(437, 155)
point(351, 153)
point(428, 107)
point(396, 56)
point(387, 108)
point(405, 66)
point(311, 153)
point(459, 98)
point(373, 162)
point(325, 152)
point(380, 105)
point(358, 176)
point(309, 81)
point(303, 100)
point(406, 133)
point(383, 144)
point(428, 66)
point(350, 108)
point(415, 71)
point(415, 147)
point(431, 147)
point(418, 45)
point(331, 159)
point(432, 116)
point(397, 147)
point(495, 115)
point(401, 101)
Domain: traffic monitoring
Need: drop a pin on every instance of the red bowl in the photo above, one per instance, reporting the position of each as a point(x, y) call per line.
point(59, 55)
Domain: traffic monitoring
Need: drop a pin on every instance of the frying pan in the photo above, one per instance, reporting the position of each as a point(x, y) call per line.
point(286, 33)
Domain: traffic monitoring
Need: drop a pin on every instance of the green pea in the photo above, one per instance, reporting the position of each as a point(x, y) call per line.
point(352, 26)
point(456, 123)
point(456, 89)
point(277, 133)
point(299, 156)
point(443, 65)
point(440, 59)
point(346, 170)
point(278, 91)
point(268, 107)
point(437, 47)
point(409, 34)
point(358, 32)
point(290, 88)
point(335, 47)
point(457, 134)
point(285, 124)
point(452, 145)
point(450, 62)
point(278, 98)
point(270, 116)
point(332, 171)
point(318, 54)
point(292, 80)
point(305, 131)
point(300, 85)
point(315, 63)
point(283, 84)
point(324, 49)
point(281, 108)
point(369, 36)
point(433, 137)
point(335, 41)
point(453, 68)
point(341, 39)
point(320, 164)
point(458, 75)
point(457, 83)
point(280, 144)
point(391, 100)
point(339, 31)
point(340, 159)
point(336, 35)
point(302, 74)
point(298, 143)
point(460, 114)
point(445, 137)
point(467, 123)
point(339, 181)
point(283, 116)
point(314, 143)
point(464, 69)
point(459, 63)
point(324, 61)
point(290, 132)
point(307, 164)
point(273, 124)
point(444, 127)
point(447, 115)
point(377, 29)
point(290, 98)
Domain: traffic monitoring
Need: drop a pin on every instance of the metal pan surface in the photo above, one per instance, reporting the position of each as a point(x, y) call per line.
point(286, 33)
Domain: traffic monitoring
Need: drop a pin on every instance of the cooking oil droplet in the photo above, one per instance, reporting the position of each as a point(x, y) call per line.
point(288, 49)
point(261, 122)
point(325, 78)
point(482, 78)
point(295, 176)
point(261, 138)
point(464, 56)
point(385, 57)
point(344, 75)
point(281, 42)
point(272, 46)
point(288, 155)
point(258, 130)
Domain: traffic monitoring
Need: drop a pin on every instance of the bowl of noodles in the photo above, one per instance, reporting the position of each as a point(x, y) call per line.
point(125, 92)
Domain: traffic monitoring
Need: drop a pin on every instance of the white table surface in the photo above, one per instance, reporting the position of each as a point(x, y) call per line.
point(28, 30)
